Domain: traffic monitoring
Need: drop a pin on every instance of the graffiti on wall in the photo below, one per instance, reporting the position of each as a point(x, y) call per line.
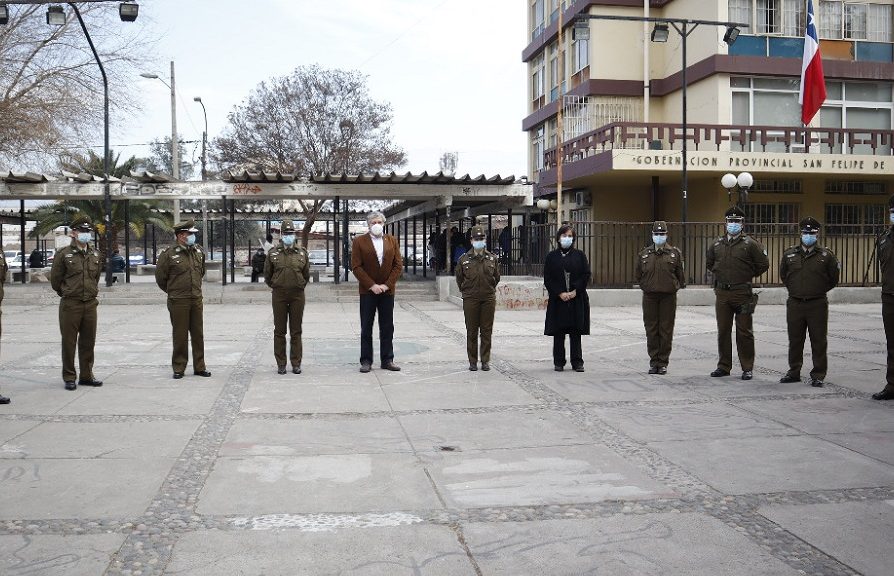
point(521, 296)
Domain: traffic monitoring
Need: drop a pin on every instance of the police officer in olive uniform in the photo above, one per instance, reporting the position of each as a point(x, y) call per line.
point(808, 270)
point(3, 269)
point(179, 273)
point(75, 277)
point(477, 275)
point(287, 270)
point(735, 259)
point(659, 273)
point(884, 247)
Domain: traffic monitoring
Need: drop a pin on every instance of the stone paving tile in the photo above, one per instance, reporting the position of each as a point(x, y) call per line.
point(71, 555)
point(878, 445)
point(827, 415)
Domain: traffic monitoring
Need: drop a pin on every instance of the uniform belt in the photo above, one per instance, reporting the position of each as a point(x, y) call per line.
point(812, 298)
point(734, 286)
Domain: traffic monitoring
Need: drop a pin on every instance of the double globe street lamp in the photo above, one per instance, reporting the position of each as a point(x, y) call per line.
point(743, 182)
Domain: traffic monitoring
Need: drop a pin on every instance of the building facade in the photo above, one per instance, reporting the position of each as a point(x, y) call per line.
point(623, 98)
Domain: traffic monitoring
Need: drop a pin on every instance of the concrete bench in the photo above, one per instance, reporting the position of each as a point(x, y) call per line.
point(120, 277)
point(212, 275)
point(146, 270)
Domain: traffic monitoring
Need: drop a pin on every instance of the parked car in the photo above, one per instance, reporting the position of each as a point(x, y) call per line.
point(320, 258)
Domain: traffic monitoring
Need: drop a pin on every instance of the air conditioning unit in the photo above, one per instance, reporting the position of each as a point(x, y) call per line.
point(582, 198)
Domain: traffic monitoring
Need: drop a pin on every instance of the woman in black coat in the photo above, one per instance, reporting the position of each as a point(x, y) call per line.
point(566, 274)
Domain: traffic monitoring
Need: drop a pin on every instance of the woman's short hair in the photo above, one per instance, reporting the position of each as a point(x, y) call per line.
point(373, 215)
point(564, 230)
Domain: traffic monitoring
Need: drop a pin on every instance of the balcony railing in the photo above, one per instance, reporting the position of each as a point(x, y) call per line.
point(724, 137)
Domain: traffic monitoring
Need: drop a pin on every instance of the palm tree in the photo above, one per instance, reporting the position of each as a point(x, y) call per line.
point(92, 163)
point(141, 213)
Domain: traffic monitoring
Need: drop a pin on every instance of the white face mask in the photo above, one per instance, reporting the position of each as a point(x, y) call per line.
point(84, 237)
point(288, 239)
point(733, 228)
point(479, 244)
point(191, 239)
point(659, 239)
point(891, 217)
point(376, 229)
point(566, 241)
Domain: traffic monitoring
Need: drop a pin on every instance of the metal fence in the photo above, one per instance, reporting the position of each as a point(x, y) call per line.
point(612, 247)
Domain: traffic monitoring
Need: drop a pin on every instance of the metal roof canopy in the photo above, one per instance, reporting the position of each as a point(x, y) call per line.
point(421, 195)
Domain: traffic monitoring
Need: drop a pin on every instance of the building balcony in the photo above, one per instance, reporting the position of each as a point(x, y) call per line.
point(723, 138)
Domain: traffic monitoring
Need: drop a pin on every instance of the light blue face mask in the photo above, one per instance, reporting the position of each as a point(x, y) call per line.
point(733, 228)
point(84, 237)
point(479, 244)
point(891, 217)
point(808, 239)
point(659, 239)
point(566, 242)
point(191, 239)
point(288, 239)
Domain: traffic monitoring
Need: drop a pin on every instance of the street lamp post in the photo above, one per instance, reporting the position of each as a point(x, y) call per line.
point(743, 181)
point(205, 239)
point(175, 144)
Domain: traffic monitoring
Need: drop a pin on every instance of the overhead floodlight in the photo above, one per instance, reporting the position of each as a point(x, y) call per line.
point(128, 11)
point(730, 36)
point(581, 30)
point(55, 16)
point(4, 13)
point(660, 32)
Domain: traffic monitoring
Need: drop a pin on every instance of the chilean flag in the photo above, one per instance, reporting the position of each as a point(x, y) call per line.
point(813, 83)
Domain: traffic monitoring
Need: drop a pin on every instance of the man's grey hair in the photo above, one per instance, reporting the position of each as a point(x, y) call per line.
point(373, 215)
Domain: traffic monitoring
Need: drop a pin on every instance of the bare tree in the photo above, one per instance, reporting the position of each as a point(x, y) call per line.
point(50, 87)
point(314, 121)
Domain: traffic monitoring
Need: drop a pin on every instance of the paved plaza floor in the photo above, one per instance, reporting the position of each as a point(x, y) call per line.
point(437, 470)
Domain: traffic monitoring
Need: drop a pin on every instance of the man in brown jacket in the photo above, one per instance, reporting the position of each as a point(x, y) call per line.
point(179, 273)
point(659, 273)
point(376, 263)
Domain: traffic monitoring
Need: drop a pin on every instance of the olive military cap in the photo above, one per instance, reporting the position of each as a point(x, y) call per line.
point(82, 223)
point(660, 226)
point(478, 232)
point(809, 225)
point(287, 227)
point(188, 226)
point(735, 212)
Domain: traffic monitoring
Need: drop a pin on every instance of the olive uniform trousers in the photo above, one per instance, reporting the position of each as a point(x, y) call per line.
point(77, 324)
point(659, 314)
point(288, 310)
point(726, 308)
point(803, 317)
point(186, 325)
point(479, 318)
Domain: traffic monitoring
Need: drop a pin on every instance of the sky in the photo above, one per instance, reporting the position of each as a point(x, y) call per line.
point(451, 69)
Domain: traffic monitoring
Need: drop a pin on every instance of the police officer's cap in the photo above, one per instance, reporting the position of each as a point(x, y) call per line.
point(659, 227)
point(478, 232)
point(188, 226)
point(809, 225)
point(287, 227)
point(735, 213)
point(82, 224)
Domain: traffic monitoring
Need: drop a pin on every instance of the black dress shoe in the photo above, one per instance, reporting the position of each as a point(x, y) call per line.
point(94, 383)
point(4, 400)
point(70, 385)
point(816, 383)
point(391, 366)
point(473, 367)
point(719, 372)
point(662, 370)
point(365, 367)
point(558, 368)
point(884, 395)
point(178, 375)
point(653, 370)
point(296, 369)
point(485, 366)
point(203, 373)
point(787, 379)
point(281, 370)
point(747, 375)
point(578, 368)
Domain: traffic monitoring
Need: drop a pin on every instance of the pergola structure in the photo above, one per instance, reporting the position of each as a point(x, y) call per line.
point(423, 199)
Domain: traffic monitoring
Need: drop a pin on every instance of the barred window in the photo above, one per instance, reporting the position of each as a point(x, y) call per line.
point(855, 21)
point(765, 218)
point(853, 218)
point(740, 11)
point(830, 20)
point(777, 186)
point(793, 22)
point(851, 187)
point(769, 15)
point(881, 26)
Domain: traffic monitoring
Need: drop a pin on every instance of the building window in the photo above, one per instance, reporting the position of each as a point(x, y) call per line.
point(766, 218)
point(580, 55)
point(769, 16)
point(793, 19)
point(777, 187)
point(537, 80)
point(536, 18)
point(853, 218)
point(856, 21)
point(553, 73)
point(537, 149)
point(740, 11)
point(851, 187)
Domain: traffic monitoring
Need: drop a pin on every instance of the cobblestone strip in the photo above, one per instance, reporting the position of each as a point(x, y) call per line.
point(148, 547)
